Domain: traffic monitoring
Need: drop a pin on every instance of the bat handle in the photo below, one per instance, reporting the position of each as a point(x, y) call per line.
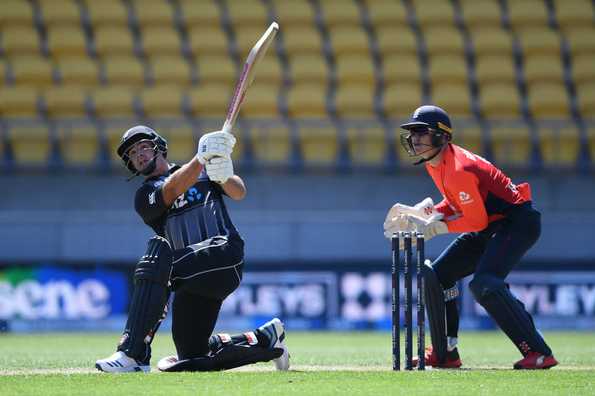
point(226, 127)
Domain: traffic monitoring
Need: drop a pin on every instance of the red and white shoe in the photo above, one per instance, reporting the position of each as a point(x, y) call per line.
point(453, 359)
point(536, 361)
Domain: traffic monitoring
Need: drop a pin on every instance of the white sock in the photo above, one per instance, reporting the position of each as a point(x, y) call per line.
point(452, 343)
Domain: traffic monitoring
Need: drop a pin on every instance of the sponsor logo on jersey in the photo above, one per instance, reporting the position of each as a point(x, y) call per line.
point(152, 199)
point(465, 198)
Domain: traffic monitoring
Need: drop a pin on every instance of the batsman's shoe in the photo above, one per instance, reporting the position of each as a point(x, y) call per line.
point(275, 331)
point(119, 362)
point(535, 361)
point(453, 360)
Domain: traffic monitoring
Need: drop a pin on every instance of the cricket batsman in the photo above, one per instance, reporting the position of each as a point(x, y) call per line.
point(497, 223)
point(197, 253)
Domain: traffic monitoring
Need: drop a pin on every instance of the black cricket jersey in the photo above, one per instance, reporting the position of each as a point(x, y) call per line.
point(196, 215)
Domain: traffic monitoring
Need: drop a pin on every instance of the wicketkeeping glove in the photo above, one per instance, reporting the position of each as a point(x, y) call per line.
point(429, 227)
point(215, 144)
point(219, 169)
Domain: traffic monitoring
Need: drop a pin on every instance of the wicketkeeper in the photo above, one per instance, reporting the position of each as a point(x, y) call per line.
point(197, 254)
point(498, 224)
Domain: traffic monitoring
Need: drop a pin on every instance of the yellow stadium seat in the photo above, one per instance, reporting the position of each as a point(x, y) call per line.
point(210, 100)
point(20, 40)
point(217, 69)
point(162, 101)
point(78, 144)
point(540, 41)
point(582, 69)
point(492, 41)
point(32, 70)
point(586, 100)
point(392, 39)
point(274, 143)
point(355, 101)
point(261, 102)
point(247, 36)
point(124, 70)
point(401, 99)
point(444, 40)
point(401, 68)
point(543, 68)
point(527, 14)
point(366, 144)
point(447, 69)
point(433, 13)
point(113, 40)
point(269, 70)
point(181, 143)
point(153, 13)
point(573, 13)
point(65, 101)
point(113, 135)
point(2, 73)
point(499, 100)
point(60, 12)
point(349, 40)
point(302, 39)
point(113, 101)
point(18, 102)
point(454, 97)
point(107, 12)
point(247, 12)
point(386, 13)
point(161, 40)
point(30, 144)
point(170, 70)
point(308, 68)
point(318, 143)
point(78, 71)
point(340, 12)
point(581, 40)
point(15, 12)
point(511, 145)
point(307, 100)
point(480, 14)
point(293, 13)
point(66, 41)
point(469, 136)
point(203, 13)
point(355, 69)
point(559, 145)
point(495, 68)
point(548, 100)
point(208, 40)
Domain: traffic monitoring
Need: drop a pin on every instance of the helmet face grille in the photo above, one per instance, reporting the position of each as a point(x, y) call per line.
point(135, 135)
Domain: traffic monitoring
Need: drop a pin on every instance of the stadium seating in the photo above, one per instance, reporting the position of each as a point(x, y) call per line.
point(355, 101)
point(124, 70)
point(400, 99)
point(470, 137)
point(527, 14)
point(207, 40)
point(340, 12)
point(582, 69)
point(307, 100)
point(443, 40)
point(367, 146)
point(319, 144)
point(401, 68)
point(586, 100)
point(352, 69)
point(499, 100)
point(113, 101)
point(573, 13)
point(274, 143)
point(433, 13)
point(543, 68)
point(386, 13)
point(181, 143)
point(559, 145)
point(216, 69)
point(16, 13)
point(78, 144)
point(170, 70)
point(113, 40)
point(349, 40)
point(32, 70)
point(66, 41)
point(19, 102)
point(581, 40)
point(161, 40)
point(303, 39)
point(308, 68)
point(453, 97)
point(20, 40)
point(495, 68)
point(479, 14)
point(447, 69)
point(30, 144)
point(262, 102)
point(161, 101)
point(200, 13)
point(292, 14)
point(65, 101)
point(511, 145)
point(209, 100)
point(59, 12)
point(392, 39)
point(548, 100)
point(106, 12)
point(152, 13)
point(492, 41)
point(247, 13)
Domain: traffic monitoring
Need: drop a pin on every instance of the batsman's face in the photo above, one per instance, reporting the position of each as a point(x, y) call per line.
point(141, 153)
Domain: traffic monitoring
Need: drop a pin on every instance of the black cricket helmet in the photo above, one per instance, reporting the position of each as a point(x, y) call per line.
point(135, 135)
point(427, 119)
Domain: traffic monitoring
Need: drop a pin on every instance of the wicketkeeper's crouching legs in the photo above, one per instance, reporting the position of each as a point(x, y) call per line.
point(147, 310)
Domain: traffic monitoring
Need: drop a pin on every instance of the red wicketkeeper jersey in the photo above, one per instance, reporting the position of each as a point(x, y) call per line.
point(475, 191)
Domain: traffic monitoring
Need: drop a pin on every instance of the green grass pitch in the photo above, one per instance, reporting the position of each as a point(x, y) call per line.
point(322, 364)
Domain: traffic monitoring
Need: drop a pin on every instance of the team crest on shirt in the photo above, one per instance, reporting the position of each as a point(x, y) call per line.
point(465, 198)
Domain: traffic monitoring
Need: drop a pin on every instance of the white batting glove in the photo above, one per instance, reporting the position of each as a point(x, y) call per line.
point(215, 144)
point(429, 227)
point(219, 169)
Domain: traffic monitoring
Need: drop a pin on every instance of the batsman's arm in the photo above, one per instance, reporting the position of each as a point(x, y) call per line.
point(180, 181)
point(235, 188)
